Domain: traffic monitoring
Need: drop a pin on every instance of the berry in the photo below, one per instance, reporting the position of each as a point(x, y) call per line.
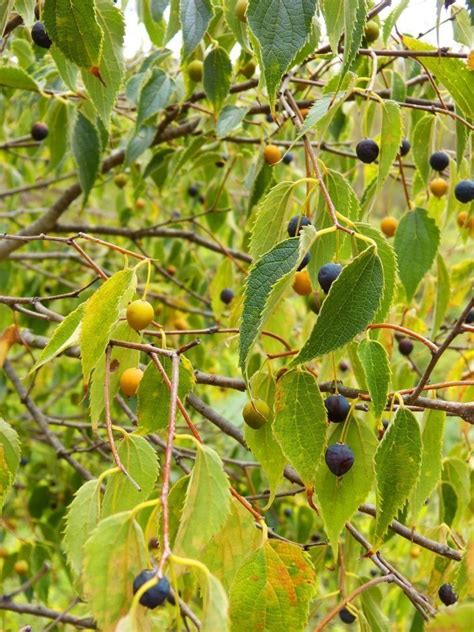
point(140, 314)
point(344, 366)
point(304, 112)
point(447, 594)
point(39, 131)
point(439, 160)
point(272, 154)
point(193, 190)
point(367, 150)
point(140, 204)
point(180, 324)
point(21, 567)
point(120, 180)
point(339, 458)
point(464, 191)
point(296, 224)
point(287, 512)
point(226, 296)
point(327, 274)
point(241, 10)
point(288, 158)
point(346, 616)
point(304, 262)
point(337, 408)
point(39, 35)
point(256, 413)
point(415, 552)
point(221, 161)
point(405, 346)
point(314, 302)
point(302, 283)
point(388, 226)
point(249, 69)
point(269, 118)
point(3, 552)
point(470, 317)
point(195, 70)
point(155, 595)
point(371, 31)
point(438, 187)
point(130, 380)
point(404, 147)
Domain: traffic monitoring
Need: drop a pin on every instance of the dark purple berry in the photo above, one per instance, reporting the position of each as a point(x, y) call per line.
point(193, 190)
point(155, 595)
point(327, 274)
point(344, 366)
point(288, 512)
point(39, 131)
point(288, 158)
point(404, 147)
point(367, 151)
point(337, 407)
point(296, 224)
point(464, 191)
point(227, 295)
point(39, 35)
point(221, 162)
point(470, 318)
point(447, 594)
point(339, 458)
point(439, 160)
point(269, 118)
point(346, 616)
point(405, 346)
point(305, 262)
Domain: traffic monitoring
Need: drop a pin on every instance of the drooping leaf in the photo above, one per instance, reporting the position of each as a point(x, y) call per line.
point(57, 121)
point(215, 608)
point(416, 233)
point(139, 143)
point(86, 150)
point(443, 292)
point(390, 139)
point(154, 96)
point(421, 145)
point(300, 422)
point(270, 226)
point(392, 18)
point(15, 77)
point(397, 466)
point(9, 458)
point(216, 76)
point(343, 195)
point(354, 24)
point(349, 307)
point(230, 117)
point(374, 361)
point(462, 27)
point(81, 518)
point(333, 13)
point(195, 16)
point(282, 576)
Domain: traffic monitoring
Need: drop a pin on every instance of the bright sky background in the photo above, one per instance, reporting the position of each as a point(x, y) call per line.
point(418, 17)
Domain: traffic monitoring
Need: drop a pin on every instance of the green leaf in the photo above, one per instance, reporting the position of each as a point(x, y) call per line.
point(390, 139)
point(81, 518)
point(416, 233)
point(217, 75)
point(374, 361)
point(215, 607)
point(343, 195)
point(281, 29)
point(9, 458)
point(462, 27)
point(103, 93)
point(392, 18)
point(230, 117)
point(65, 335)
point(238, 28)
point(354, 25)
point(431, 460)
point(101, 312)
point(154, 96)
point(207, 504)
point(139, 143)
point(195, 16)
point(397, 466)
point(114, 555)
point(333, 13)
point(86, 150)
point(154, 395)
point(349, 307)
point(443, 292)
point(141, 462)
point(372, 604)
point(13, 77)
point(421, 145)
point(73, 27)
point(270, 223)
point(339, 498)
point(458, 619)
point(282, 577)
point(452, 73)
point(57, 120)
point(300, 422)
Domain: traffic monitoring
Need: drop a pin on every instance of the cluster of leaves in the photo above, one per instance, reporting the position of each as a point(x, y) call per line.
point(196, 199)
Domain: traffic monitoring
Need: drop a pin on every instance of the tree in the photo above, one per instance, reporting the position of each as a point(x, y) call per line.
point(236, 316)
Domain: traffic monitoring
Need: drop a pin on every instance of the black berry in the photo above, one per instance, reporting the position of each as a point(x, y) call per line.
point(404, 147)
point(405, 346)
point(464, 191)
point(339, 458)
point(155, 595)
point(288, 512)
point(447, 594)
point(193, 190)
point(288, 158)
point(470, 317)
point(344, 366)
point(327, 274)
point(39, 35)
point(305, 262)
point(337, 407)
point(439, 160)
point(226, 295)
point(269, 118)
point(39, 131)
point(221, 161)
point(346, 616)
point(367, 150)
point(296, 224)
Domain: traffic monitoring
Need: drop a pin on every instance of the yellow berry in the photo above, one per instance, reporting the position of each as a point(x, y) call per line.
point(180, 324)
point(415, 552)
point(256, 413)
point(195, 70)
point(272, 154)
point(140, 314)
point(241, 10)
point(388, 226)
point(302, 283)
point(21, 567)
point(438, 187)
point(130, 380)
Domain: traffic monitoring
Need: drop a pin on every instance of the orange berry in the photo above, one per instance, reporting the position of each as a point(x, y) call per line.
point(3, 552)
point(388, 226)
point(140, 204)
point(415, 552)
point(180, 324)
point(302, 283)
point(21, 567)
point(304, 112)
point(130, 380)
point(438, 187)
point(462, 219)
point(140, 314)
point(272, 154)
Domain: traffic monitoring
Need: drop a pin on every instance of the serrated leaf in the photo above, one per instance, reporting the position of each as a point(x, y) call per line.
point(65, 335)
point(73, 27)
point(195, 16)
point(114, 555)
point(421, 145)
point(339, 498)
point(397, 467)
point(333, 13)
point(207, 504)
point(300, 422)
point(86, 150)
point(392, 18)
point(154, 395)
point(154, 96)
point(15, 77)
point(103, 93)
point(462, 27)
point(374, 361)
point(390, 138)
point(141, 462)
point(416, 233)
point(343, 195)
point(215, 607)
point(230, 117)
point(101, 312)
point(57, 120)
point(81, 518)
point(270, 226)
point(349, 307)
point(216, 76)
point(282, 577)
point(291, 22)
point(9, 457)
point(238, 28)
point(354, 24)
point(443, 292)
point(431, 460)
